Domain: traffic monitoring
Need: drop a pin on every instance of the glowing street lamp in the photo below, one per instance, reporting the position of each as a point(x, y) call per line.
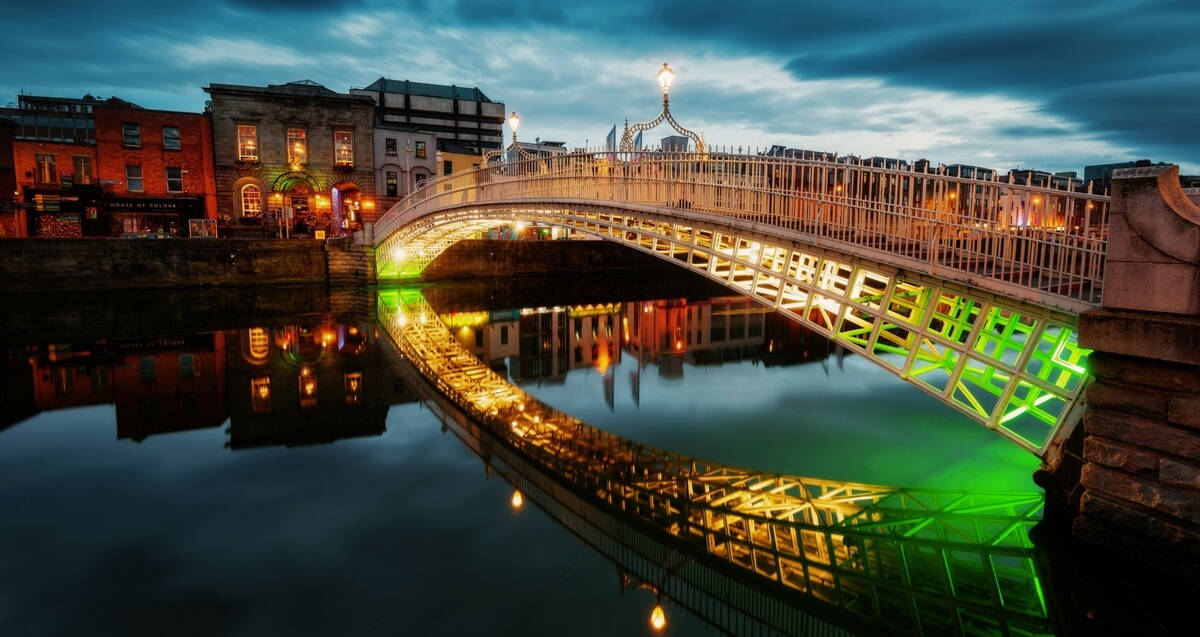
point(514, 122)
point(666, 77)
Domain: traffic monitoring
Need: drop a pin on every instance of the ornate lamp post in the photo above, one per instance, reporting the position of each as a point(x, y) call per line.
point(666, 78)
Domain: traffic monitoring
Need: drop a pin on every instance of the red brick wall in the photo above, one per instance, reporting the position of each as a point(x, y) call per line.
point(24, 159)
point(194, 155)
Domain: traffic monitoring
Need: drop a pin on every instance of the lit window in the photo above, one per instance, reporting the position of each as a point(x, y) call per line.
point(251, 200)
point(133, 178)
point(343, 148)
point(297, 145)
point(170, 137)
point(174, 179)
point(391, 183)
point(45, 170)
point(132, 135)
point(420, 150)
point(247, 137)
point(389, 145)
point(83, 169)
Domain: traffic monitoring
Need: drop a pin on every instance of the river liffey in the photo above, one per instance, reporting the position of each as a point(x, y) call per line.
point(284, 468)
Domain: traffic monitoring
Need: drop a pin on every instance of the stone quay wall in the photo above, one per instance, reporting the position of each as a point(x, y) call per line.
point(1141, 446)
point(35, 265)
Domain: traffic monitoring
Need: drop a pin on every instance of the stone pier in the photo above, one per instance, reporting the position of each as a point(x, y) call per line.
point(1141, 446)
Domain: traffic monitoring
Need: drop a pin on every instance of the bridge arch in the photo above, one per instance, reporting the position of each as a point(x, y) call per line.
point(836, 253)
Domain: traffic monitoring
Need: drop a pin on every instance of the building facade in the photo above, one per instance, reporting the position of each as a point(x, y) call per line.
point(155, 168)
point(12, 216)
point(452, 113)
point(405, 158)
point(297, 157)
point(54, 158)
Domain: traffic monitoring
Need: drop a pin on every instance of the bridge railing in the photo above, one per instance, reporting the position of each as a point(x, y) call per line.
point(1046, 239)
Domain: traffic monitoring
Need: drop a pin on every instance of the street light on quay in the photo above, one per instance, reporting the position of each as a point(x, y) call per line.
point(514, 122)
point(666, 77)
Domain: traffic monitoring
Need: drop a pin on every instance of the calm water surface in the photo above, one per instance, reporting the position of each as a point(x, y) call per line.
point(151, 487)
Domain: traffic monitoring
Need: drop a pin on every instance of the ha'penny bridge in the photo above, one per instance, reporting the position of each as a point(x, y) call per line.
point(967, 288)
point(971, 287)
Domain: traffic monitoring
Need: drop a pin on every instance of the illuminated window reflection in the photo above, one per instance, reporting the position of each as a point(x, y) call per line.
point(353, 382)
point(260, 394)
point(308, 389)
point(259, 343)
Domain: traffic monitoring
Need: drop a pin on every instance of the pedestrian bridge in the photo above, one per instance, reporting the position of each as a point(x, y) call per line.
point(968, 288)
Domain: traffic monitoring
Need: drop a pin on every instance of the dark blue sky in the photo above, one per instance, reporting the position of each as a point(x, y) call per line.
point(1050, 85)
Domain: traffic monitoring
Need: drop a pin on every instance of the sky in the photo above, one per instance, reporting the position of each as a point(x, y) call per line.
point(1046, 85)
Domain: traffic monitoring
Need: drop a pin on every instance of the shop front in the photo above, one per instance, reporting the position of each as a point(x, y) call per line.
point(168, 215)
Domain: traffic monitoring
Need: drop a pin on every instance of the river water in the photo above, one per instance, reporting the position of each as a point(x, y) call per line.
point(263, 469)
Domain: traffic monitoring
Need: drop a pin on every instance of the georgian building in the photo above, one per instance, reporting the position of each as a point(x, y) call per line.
point(294, 156)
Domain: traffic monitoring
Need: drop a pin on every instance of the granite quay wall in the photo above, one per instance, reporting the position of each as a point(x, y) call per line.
point(32, 265)
point(1140, 476)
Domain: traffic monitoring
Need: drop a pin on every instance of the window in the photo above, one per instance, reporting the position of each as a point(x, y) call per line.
point(389, 146)
point(391, 183)
point(170, 138)
point(247, 137)
point(251, 200)
point(353, 384)
point(132, 135)
point(478, 338)
point(187, 366)
point(343, 148)
point(174, 179)
point(308, 389)
point(45, 170)
point(504, 335)
point(297, 145)
point(133, 177)
point(148, 367)
point(420, 179)
point(447, 167)
point(420, 150)
point(83, 169)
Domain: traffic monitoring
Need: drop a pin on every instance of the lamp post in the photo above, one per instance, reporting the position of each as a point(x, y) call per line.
point(514, 122)
point(666, 79)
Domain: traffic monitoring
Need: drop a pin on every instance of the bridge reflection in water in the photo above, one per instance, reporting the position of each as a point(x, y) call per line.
point(914, 560)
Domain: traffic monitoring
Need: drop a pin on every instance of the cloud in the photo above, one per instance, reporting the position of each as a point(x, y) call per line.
point(1049, 86)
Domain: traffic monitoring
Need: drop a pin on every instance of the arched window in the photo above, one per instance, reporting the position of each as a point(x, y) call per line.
point(252, 203)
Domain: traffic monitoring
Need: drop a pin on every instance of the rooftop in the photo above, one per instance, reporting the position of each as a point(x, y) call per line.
point(405, 87)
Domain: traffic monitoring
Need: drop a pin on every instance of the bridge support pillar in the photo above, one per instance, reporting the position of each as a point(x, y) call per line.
point(1140, 474)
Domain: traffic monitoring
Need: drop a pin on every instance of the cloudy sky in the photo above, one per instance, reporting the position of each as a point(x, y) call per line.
point(1051, 85)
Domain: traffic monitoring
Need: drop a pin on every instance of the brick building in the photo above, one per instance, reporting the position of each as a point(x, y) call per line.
point(12, 216)
point(155, 168)
point(298, 155)
point(54, 155)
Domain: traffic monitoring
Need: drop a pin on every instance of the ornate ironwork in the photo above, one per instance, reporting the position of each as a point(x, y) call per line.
point(629, 131)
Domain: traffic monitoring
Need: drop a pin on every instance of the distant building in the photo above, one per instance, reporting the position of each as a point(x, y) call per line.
point(405, 158)
point(295, 155)
point(799, 153)
point(454, 114)
point(970, 172)
point(155, 168)
point(675, 144)
point(1100, 175)
point(538, 148)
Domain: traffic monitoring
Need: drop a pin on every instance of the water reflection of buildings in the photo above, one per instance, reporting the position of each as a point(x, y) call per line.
point(157, 385)
point(292, 385)
point(304, 384)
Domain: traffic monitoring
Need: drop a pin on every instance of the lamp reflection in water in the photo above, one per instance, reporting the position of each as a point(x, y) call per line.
point(518, 500)
point(658, 617)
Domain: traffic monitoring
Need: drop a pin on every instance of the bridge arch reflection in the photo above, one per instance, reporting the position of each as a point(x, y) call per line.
point(921, 561)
